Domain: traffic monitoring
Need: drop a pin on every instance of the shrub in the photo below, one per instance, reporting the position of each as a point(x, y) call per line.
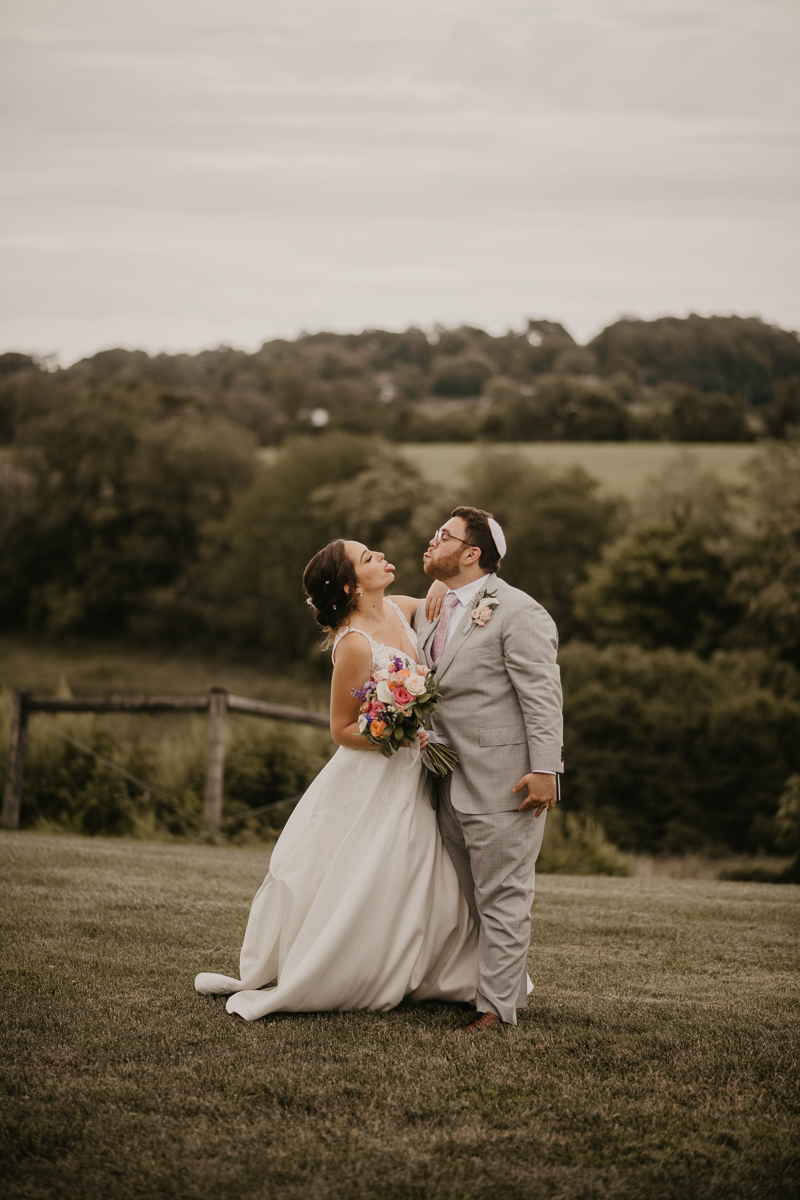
point(70, 789)
point(668, 755)
point(577, 845)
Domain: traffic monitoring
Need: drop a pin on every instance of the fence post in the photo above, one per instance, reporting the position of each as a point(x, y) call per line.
point(15, 769)
point(215, 760)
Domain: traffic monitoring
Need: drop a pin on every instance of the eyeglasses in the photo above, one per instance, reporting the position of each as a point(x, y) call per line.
point(444, 535)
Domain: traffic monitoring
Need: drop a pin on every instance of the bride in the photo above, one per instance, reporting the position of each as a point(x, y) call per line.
point(361, 906)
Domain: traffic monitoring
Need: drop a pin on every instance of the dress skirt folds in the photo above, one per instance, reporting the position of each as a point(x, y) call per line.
point(361, 907)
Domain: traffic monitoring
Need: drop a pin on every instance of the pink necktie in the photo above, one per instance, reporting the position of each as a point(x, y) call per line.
point(450, 602)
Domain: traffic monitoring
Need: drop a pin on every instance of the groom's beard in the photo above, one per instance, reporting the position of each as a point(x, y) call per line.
point(444, 568)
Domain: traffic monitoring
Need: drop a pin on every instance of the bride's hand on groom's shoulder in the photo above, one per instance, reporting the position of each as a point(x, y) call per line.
point(434, 599)
point(542, 794)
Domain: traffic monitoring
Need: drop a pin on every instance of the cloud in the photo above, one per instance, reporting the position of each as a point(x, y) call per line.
point(183, 172)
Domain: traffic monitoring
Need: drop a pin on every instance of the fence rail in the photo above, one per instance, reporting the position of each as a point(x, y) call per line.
point(217, 702)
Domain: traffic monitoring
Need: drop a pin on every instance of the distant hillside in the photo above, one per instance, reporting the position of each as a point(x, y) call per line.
point(715, 379)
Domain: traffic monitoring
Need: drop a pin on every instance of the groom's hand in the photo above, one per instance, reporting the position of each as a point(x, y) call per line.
point(541, 792)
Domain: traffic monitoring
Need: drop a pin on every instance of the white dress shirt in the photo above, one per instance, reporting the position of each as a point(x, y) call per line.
point(465, 596)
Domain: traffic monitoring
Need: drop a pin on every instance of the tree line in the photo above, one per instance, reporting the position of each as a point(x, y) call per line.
point(727, 379)
point(142, 512)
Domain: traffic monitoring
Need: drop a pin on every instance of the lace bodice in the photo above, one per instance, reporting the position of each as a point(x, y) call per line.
point(382, 654)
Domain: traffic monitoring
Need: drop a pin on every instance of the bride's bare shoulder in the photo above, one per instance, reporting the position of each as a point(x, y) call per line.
point(407, 605)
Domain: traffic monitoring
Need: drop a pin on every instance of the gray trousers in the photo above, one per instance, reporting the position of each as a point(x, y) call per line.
point(494, 855)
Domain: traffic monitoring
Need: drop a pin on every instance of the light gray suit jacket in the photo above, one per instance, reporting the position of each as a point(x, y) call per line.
point(501, 699)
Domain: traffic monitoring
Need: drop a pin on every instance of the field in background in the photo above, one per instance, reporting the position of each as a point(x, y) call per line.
point(622, 467)
point(106, 668)
point(657, 1056)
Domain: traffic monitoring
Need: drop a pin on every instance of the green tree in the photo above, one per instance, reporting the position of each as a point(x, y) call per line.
point(782, 417)
point(706, 416)
point(460, 374)
point(669, 754)
point(668, 581)
point(739, 356)
point(124, 486)
point(767, 577)
point(659, 586)
point(248, 585)
point(556, 525)
point(563, 408)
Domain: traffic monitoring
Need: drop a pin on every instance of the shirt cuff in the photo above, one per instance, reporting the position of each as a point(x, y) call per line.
point(540, 771)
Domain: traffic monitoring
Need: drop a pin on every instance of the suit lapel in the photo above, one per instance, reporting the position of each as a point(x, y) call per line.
point(463, 633)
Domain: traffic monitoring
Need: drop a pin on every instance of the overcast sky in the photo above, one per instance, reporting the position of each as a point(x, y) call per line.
point(185, 173)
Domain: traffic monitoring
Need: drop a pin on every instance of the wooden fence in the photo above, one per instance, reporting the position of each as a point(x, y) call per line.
point(218, 702)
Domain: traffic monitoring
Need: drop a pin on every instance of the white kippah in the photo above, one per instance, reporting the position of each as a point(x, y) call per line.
point(497, 536)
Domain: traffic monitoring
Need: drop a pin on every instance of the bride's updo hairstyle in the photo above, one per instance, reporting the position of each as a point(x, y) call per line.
point(325, 579)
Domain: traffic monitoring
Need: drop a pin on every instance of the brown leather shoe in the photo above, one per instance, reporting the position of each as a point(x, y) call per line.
point(487, 1020)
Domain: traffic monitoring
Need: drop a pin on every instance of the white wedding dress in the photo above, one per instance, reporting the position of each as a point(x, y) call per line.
point(361, 906)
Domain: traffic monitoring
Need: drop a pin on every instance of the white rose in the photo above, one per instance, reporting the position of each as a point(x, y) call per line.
point(384, 692)
point(415, 684)
point(380, 675)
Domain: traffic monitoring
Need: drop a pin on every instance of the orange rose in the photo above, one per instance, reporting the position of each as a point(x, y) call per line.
point(401, 675)
point(377, 728)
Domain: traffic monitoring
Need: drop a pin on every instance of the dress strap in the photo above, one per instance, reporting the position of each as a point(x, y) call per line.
point(410, 634)
point(343, 633)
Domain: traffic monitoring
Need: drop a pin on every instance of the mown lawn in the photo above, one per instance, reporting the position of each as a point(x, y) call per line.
point(658, 1059)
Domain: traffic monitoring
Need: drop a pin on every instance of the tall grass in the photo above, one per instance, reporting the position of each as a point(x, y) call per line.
point(70, 790)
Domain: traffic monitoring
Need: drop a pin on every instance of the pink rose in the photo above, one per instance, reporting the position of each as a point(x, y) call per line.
point(402, 697)
point(376, 708)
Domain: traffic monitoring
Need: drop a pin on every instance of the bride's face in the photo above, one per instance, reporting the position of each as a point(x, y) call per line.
point(373, 572)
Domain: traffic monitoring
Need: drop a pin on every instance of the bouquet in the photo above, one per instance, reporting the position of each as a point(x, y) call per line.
point(394, 704)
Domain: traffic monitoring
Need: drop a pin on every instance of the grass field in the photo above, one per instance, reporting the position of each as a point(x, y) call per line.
point(622, 467)
point(103, 668)
point(657, 1059)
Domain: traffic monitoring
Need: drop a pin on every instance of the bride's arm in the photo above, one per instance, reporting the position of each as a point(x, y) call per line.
point(352, 668)
point(433, 602)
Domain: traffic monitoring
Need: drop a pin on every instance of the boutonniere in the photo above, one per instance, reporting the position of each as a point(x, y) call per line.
point(483, 607)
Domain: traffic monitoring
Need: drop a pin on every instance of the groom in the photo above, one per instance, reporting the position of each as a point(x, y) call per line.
point(494, 650)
